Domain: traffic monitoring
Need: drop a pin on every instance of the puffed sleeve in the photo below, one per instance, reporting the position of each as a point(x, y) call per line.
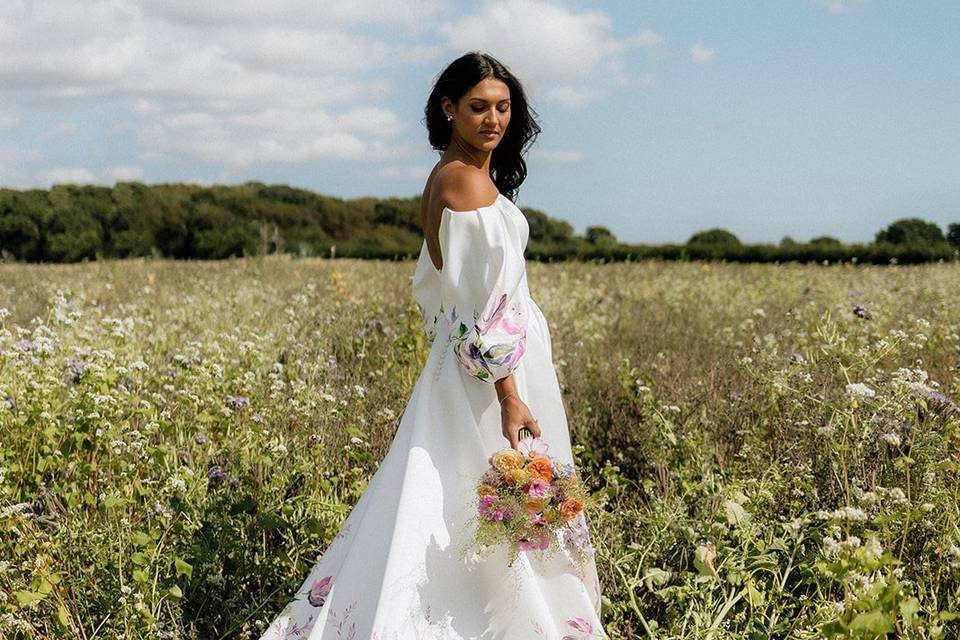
point(484, 272)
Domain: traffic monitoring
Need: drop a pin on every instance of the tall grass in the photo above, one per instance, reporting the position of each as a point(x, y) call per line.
point(775, 449)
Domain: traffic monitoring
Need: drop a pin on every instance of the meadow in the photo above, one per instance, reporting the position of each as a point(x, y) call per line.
point(774, 449)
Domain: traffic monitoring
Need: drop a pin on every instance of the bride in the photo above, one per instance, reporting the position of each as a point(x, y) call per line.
point(398, 568)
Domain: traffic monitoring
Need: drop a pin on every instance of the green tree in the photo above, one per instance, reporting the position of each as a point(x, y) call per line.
point(715, 236)
point(953, 235)
point(911, 231)
point(826, 241)
point(600, 236)
point(20, 237)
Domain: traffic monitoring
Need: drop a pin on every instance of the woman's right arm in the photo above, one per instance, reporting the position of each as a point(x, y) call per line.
point(514, 412)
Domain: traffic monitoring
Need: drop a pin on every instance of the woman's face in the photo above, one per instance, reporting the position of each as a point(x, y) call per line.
point(482, 114)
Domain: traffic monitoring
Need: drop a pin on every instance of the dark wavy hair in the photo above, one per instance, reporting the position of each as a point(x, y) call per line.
point(507, 166)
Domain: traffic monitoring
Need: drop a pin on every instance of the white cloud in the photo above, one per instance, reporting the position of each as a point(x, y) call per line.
point(309, 51)
point(221, 84)
point(571, 58)
point(224, 88)
point(16, 166)
point(647, 38)
point(408, 13)
point(68, 175)
point(700, 53)
point(59, 130)
point(9, 120)
point(125, 173)
point(837, 6)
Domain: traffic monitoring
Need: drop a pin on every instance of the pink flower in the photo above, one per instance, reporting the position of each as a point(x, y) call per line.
point(538, 488)
point(580, 624)
point(532, 445)
point(497, 514)
point(486, 502)
point(540, 542)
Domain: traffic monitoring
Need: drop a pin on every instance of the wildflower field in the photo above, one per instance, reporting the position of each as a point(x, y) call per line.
point(774, 449)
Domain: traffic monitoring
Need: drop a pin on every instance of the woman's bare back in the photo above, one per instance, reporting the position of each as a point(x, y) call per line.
point(456, 185)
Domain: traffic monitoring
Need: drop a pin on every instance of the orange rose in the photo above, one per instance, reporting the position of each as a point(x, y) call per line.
point(486, 489)
point(540, 467)
point(570, 507)
point(506, 459)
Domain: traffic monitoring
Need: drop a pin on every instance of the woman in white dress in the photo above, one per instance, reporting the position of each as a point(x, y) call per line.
point(400, 568)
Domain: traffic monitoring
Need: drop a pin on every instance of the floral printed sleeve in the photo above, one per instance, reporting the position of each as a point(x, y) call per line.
point(490, 346)
point(484, 272)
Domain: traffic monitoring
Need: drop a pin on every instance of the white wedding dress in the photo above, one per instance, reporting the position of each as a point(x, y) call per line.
point(397, 569)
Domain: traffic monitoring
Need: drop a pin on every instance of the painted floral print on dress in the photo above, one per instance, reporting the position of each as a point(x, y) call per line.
point(582, 629)
point(491, 348)
point(319, 591)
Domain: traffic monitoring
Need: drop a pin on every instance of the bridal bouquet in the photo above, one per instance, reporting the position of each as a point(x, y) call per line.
point(531, 502)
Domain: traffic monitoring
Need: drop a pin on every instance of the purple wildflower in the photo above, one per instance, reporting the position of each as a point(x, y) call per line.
point(26, 345)
point(562, 469)
point(942, 404)
point(215, 477)
point(76, 368)
point(237, 402)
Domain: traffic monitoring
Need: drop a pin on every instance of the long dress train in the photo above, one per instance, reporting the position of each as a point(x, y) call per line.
point(395, 570)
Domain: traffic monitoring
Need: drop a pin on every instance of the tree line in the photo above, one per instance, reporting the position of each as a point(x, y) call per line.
point(70, 223)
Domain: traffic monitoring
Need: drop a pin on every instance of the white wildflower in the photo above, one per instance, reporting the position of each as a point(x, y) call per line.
point(849, 513)
point(891, 438)
point(896, 494)
point(830, 547)
point(14, 509)
point(953, 557)
point(868, 498)
point(858, 389)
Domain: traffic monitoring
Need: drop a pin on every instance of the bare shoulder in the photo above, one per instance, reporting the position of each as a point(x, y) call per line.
point(461, 187)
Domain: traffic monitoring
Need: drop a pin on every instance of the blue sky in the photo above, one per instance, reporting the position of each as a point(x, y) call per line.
point(786, 117)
